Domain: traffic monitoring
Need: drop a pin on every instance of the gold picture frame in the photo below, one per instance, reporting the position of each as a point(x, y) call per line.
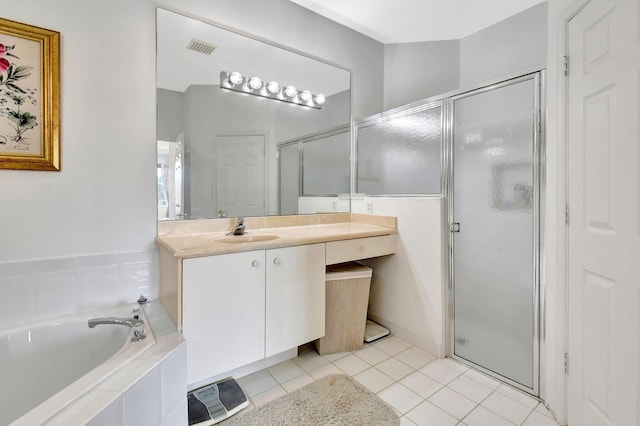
point(29, 97)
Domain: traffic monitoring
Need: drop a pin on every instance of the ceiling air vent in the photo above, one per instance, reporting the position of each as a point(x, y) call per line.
point(201, 47)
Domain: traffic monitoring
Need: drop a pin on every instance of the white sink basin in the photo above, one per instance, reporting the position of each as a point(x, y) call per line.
point(247, 238)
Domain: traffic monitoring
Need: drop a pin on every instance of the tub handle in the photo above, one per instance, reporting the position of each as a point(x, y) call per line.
point(136, 324)
point(139, 334)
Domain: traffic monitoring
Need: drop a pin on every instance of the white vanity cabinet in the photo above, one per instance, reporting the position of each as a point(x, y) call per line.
point(223, 316)
point(245, 304)
point(240, 308)
point(295, 296)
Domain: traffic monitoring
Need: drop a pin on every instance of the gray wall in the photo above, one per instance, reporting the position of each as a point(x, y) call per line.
point(515, 44)
point(170, 114)
point(291, 122)
point(326, 165)
point(414, 71)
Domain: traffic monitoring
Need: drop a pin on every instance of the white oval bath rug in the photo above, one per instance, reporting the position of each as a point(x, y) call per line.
point(333, 400)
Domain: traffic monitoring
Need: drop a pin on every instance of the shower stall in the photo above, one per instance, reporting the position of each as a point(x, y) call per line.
point(494, 214)
point(481, 150)
point(313, 172)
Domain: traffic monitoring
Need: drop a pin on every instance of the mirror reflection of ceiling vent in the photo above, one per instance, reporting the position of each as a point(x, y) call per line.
point(201, 46)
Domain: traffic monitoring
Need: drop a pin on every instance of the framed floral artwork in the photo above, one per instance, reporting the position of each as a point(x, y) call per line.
point(29, 97)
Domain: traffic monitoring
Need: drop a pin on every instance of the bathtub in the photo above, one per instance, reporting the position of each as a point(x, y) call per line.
point(45, 367)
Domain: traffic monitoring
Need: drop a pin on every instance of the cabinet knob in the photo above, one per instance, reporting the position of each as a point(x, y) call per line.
point(276, 261)
point(255, 263)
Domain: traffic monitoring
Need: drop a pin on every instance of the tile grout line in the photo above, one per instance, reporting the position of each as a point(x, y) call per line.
point(529, 415)
point(370, 365)
point(502, 417)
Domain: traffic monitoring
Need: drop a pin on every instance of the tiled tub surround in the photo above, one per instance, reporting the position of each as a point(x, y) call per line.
point(36, 290)
point(142, 384)
point(40, 360)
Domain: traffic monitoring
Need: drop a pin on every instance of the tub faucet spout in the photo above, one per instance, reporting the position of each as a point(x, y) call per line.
point(137, 325)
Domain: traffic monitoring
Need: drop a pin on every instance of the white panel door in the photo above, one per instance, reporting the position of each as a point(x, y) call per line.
point(240, 179)
point(295, 291)
point(223, 312)
point(604, 237)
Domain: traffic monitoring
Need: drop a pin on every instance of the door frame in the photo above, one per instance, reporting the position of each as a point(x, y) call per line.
point(280, 146)
point(554, 383)
point(539, 179)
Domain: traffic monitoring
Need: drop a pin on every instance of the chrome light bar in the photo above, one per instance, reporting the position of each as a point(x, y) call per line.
point(272, 90)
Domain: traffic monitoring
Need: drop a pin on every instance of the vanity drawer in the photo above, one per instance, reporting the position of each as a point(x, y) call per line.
point(359, 248)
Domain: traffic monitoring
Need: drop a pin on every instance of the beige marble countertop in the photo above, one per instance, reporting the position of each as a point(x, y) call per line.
point(346, 226)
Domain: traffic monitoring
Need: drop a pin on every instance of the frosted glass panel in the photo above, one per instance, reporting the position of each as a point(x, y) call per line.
point(401, 155)
point(493, 190)
point(289, 164)
point(326, 165)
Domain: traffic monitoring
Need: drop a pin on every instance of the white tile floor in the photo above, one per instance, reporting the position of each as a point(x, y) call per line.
point(422, 389)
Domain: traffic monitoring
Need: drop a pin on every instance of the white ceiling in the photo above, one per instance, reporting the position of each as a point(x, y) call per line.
point(405, 21)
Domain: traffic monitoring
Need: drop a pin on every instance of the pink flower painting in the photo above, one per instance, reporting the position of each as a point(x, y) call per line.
point(4, 62)
point(13, 95)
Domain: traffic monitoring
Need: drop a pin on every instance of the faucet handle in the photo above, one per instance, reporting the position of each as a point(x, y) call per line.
point(135, 312)
point(238, 228)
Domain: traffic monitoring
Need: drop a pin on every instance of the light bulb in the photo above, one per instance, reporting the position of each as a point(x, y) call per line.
point(273, 87)
point(291, 91)
point(306, 95)
point(320, 99)
point(235, 78)
point(255, 83)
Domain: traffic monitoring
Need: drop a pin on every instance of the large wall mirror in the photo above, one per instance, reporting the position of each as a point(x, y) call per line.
point(230, 145)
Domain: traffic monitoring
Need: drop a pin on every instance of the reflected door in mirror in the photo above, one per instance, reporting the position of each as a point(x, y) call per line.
point(240, 175)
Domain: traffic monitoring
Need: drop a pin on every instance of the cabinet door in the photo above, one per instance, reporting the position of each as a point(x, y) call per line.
point(295, 296)
point(223, 312)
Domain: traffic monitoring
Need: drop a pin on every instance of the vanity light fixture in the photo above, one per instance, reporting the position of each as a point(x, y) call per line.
point(255, 83)
point(273, 87)
point(235, 78)
point(290, 91)
point(273, 90)
point(306, 96)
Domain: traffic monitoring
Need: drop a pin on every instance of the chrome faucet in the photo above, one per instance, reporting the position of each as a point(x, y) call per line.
point(238, 228)
point(136, 324)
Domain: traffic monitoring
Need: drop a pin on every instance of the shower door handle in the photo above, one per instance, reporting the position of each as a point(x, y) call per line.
point(454, 227)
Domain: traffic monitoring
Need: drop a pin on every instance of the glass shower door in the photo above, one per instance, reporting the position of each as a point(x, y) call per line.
point(494, 229)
